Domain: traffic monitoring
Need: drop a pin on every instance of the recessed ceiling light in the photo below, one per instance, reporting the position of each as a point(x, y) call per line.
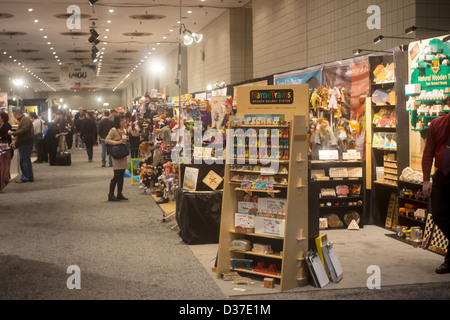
point(189, 11)
point(51, 48)
point(30, 9)
point(111, 10)
point(171, 30)
point(56, 57)
point(41, 29)
point(54, 52)
point(107, 30)
point(36, 21)
point(45, 37)
point(164, 37)
point(109, 21)
point(49, 43)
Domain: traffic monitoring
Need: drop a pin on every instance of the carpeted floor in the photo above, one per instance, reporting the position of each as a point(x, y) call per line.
point(124, 250)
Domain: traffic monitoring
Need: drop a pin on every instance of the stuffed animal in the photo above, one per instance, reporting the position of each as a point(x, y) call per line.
point(322, 139)
point(227, 107)
point(344, 137)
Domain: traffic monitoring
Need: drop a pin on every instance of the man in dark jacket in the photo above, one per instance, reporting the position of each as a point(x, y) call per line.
point(24, 141)
point(88, 134)
point(103, 129)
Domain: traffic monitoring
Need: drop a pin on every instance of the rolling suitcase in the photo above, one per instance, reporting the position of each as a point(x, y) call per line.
point(63, 159)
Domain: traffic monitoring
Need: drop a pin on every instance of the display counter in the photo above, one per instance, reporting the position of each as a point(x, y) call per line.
point(5, 164)
point(198, 212)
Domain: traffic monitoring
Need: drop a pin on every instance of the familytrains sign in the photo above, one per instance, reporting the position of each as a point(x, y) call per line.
point(272, 96)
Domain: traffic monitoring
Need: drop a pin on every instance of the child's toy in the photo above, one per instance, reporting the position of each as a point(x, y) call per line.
point(241, 245)
point(269, 283)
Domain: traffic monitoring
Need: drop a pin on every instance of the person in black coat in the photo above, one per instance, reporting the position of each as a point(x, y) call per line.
point(88, 134)
point(51, 139)
point(5, 126)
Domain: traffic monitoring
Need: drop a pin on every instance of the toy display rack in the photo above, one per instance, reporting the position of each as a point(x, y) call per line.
point(294, 271)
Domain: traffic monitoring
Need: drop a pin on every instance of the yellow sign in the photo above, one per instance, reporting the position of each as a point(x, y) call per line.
point(31, 109)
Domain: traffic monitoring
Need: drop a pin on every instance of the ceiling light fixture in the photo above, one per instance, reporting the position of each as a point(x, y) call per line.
point(190, 37)
point(414, 28)
point(92, 2)
point(357, 52)
point(381, 37)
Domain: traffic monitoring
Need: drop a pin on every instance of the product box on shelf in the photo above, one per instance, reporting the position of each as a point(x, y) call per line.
point(271, 205)
point(270, 226)
point(245, 221)
point(244, 207)
point(413, 89)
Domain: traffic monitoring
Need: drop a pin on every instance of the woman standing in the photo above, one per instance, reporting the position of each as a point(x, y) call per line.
point(5, 126)
point(116, 136)
point(69, 127)
point(88, 134)
point(52, 138)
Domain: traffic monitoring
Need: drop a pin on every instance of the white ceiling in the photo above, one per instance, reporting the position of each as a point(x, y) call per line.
point(33, 60)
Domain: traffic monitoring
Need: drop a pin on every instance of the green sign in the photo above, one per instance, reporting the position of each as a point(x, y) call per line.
point(432, 67)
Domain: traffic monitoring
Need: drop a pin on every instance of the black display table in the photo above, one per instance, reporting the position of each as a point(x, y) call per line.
point(198, 214)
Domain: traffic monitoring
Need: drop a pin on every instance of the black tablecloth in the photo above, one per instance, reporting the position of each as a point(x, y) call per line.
point(198, 217)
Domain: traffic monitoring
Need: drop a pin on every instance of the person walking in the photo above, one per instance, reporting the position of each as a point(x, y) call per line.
point(88, 134)
point(116, 136)
point(69, 128)
point(24, 141)
point(78, 124)
point(104, 126)
point(44, 155)
point(39, 127)
point(437, 148)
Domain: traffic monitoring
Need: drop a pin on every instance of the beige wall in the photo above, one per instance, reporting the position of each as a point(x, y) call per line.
point(295, 34)
point(280, 36)
point(88, 100)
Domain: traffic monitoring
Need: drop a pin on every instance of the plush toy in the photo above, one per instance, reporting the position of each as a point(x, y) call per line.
point(322, 139)
point(324, 97)
point(315, 100)
point(344, 137)
point(333, 102)
point(227, 107)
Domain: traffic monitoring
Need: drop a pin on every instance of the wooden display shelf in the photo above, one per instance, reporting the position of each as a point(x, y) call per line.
point(257, 273)
point(260, 172)
point(274, 185)
point(258, 235)
point(294, 270)
point(259, 254)
point(285, 126)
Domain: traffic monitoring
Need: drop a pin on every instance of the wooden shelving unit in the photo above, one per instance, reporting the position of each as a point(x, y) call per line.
point(381, 190)
point(290, 246)
point(318, 204)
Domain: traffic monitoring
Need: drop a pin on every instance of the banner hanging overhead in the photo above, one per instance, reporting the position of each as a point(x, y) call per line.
point(83, 75)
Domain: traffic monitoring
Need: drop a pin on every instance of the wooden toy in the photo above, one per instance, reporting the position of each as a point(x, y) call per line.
point(269, 283)
point(241, 245)
point(230, 276)
point(242, 280)
point(247, 262)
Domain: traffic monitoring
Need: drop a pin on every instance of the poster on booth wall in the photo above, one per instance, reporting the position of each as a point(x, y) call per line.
point(429, 75)
point(217, 112)
point(311, 77)
point(3, 102)
point(31, 109)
